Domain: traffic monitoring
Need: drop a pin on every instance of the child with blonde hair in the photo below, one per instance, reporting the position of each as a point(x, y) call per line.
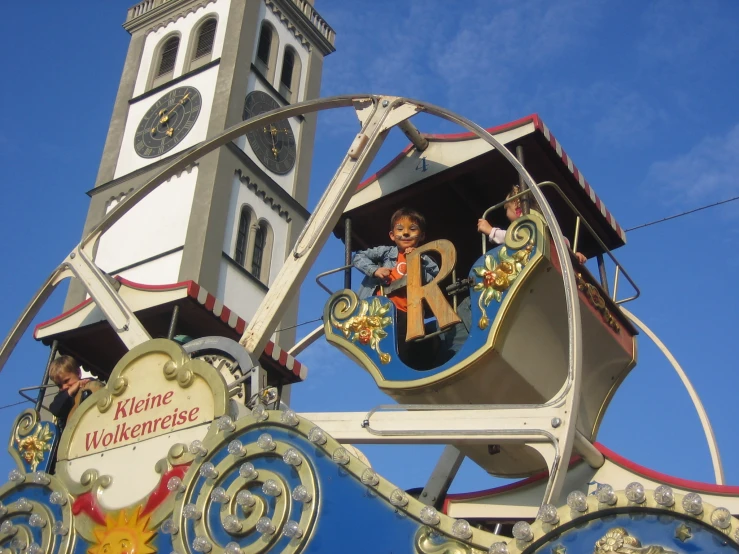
point(66, 374)
point(513, 211)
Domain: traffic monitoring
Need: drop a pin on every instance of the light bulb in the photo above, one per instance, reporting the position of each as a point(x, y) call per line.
point(301, 494)
point(429, 515)
point(289, 417)
point(577, 501)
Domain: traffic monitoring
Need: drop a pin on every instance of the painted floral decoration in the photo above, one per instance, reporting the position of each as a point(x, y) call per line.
point(617, 540)
point(367, 327)
point(497, 277)
point(32, 447)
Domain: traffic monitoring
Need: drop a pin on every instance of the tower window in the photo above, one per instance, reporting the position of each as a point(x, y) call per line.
point(168, 57)
point(260, 238)
point(206, 37)
point(288, 63)
point(242, 236)
point(265, 44)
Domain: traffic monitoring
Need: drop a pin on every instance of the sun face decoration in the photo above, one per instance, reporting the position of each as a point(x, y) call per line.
point(126, 534)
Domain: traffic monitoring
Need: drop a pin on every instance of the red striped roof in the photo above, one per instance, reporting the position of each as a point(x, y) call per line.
point(540, 128)
point(208, 301)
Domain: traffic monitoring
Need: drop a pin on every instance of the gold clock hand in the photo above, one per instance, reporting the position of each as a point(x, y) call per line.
point(165, 119)
point(274, 144)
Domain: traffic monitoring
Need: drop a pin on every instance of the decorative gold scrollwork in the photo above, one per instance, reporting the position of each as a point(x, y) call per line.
point(183, 374)
point(618, 541)
point(367, 324)
point(598, 303)
point(240, 520)
point(57, 533)
point(31, 438)
point(498, 275)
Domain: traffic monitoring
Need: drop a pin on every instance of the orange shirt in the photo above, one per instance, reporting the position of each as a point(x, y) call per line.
point(398, 297)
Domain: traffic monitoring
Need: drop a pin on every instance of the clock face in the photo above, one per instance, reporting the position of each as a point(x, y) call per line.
point(167, 122)
point(273, 144)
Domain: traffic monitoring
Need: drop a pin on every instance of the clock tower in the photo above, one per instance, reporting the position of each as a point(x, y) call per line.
point(193, 69)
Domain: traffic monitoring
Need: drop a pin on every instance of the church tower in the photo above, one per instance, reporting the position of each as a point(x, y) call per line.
point(193, 69)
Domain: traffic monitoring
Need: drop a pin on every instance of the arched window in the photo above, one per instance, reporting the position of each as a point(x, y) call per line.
point(202, 48)
point(261, 254)
point(165, 61)
point(290, 75)
point(288, 63)
point(260, 237)
point(242, 236)
point(254, 239)
point(267, 48)
point(265, 42)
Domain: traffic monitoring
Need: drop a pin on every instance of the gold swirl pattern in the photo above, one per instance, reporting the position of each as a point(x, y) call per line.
point(183, 374)
point(215, 473)
point(524, 231)
point(28, 525)
point(116, 387)
point(30, 440)
point(199, 490)
point(362, 321)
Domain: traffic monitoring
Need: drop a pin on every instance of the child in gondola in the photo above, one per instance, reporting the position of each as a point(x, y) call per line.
point(65, 372)
point(512, 211)
point(383, 265)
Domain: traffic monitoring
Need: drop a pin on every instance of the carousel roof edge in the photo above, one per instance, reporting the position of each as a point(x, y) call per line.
point(628, 467)
point(538, 126)
point(450, 137)
point(166, 293)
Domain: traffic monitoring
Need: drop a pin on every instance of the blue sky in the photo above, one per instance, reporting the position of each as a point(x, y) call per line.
point(642, 96)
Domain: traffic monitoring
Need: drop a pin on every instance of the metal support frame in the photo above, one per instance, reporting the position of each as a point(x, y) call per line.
point(42, 390)
point(603, 273)
point(550, 428)
point(348, 252)
point(718, 470)
point(173, 322)
point(446, 469)
point(307, 340)
point(525, 203)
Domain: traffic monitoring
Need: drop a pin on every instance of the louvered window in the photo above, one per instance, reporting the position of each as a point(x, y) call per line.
point(265, 41)
point(259, 240)
point(243, 234)
point(206, 38)
point(169, 56)
point(288, 63)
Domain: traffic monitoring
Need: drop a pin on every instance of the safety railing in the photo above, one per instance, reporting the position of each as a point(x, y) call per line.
point(580, 220)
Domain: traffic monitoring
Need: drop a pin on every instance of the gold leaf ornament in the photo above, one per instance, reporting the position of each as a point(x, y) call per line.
point(497, 276)
point(367, 327)
point(32, 447)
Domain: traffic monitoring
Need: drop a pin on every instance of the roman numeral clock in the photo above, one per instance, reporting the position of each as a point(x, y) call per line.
point(273, 144)
point(167, 122)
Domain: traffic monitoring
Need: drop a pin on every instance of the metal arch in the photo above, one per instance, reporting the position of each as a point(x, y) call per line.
point(107, 298)
point(718, 469)
point(570, 394)
point(80, 258)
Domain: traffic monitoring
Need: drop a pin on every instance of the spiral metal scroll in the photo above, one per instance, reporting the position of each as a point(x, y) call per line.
point(32, 441)
point(222, 519)
point(523, 231)
point(362, 321)
point(36, 515)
